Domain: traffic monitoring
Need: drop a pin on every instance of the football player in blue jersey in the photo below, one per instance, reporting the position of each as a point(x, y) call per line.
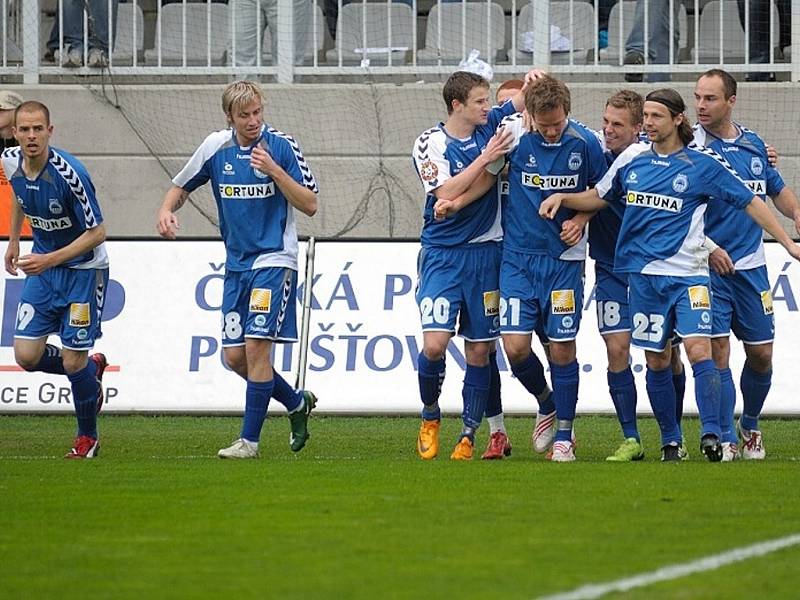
point(67, 269)
point(541, 277)
point(622, 126)
point(459, 259)
point(739, 283)
point(666, 186)
point(259, 177)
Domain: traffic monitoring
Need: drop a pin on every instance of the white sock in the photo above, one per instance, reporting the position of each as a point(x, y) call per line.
point(496, 423)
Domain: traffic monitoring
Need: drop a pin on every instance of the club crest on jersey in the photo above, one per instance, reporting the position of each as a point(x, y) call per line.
point(259, 174)
point(82, 334)
point(562, 302)
point(766, 302)
point(681, 183)
point(656, 201)
point(756, 166)
point(705, 317)
point(549, 182)
point(79, 315)
point(428, 171)
point(567, 322)
point(55, 206)
point(260, 320)
point(491, 303)
point(260, 300)
point(246, 192)
point(699, 298)
point(575, 161)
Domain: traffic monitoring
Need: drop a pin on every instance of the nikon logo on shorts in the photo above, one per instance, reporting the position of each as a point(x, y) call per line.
point(246, 192)
point(699, 298)
point(562, 301)
point(79, 315)
point(757, 186)
point(766, 302)
point(550, 182)
point(491, 303)
point(657, 201)
point(260, 299)
point(50, 224)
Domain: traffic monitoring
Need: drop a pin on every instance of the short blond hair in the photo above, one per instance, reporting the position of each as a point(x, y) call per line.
point(239, 94)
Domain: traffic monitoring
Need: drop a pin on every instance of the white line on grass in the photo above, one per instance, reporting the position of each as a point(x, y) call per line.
point(709, 563)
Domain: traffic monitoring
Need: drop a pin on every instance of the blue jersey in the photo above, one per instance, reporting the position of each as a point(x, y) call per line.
point(536, 170)
point(60, 204)
point(256, 221)
point(437, 157)
point(604, 228)
point(733, 230)
point(665, 200)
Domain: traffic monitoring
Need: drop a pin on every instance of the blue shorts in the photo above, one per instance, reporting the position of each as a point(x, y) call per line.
point(661, 305)
point(259, 304)
point(611, 298)
point(540, 294)
point(743, 303)
point(460, 283)
point(64, 301)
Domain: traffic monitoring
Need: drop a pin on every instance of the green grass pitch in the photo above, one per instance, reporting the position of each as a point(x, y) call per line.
point(357, 515)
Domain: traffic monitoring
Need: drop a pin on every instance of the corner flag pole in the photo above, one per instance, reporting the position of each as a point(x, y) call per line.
point(300, 381)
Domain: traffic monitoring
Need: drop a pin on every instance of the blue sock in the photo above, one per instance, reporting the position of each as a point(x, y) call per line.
point(679, 383)
point(84, 397)
point(530, 373)
point(565, 397)
point(623, 394)
point(494, 404)
point(255, 408)
point(727, 404)
point(755, 387)
point(285, 394)
point(662, 400)
point(51, 362)
point(474, 393)
point(707, 392)
point(431, 377)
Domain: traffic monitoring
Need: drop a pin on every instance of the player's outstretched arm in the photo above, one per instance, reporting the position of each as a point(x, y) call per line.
point(786, 202)
point(586, 201)
point(519, 98)
point(762, 215)
point(167, 223)
point(34, 264)
point(12, 250)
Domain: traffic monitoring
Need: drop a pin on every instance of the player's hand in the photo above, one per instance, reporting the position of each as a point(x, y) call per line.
point(444, 208)
point(721, 262)
point(794, 251)
point(571, 232)
point(12, 254)
point(499, 145)
point(772, 156)
point(167, 225)
point(34, 264)
point(550, 205)
point(261, 160)
point(533, 75)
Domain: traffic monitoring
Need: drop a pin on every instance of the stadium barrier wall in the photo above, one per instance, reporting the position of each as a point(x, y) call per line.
point(162, 337)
